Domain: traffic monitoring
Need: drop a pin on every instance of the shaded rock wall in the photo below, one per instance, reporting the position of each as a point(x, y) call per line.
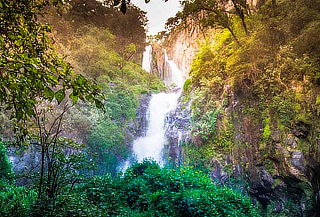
point(278, 176)
point(182, 45)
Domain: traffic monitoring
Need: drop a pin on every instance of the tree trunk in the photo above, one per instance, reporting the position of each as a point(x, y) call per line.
point(234, 36)
point(274, 5)
point(240, 13)
point(41, 172)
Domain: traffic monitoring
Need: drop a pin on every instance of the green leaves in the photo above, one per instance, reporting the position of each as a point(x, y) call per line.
point(49, 94)
point(74, 98)
point(60, 95)
point(30, 67)
point(99, 104)
point(149, 190)
point(6, 173)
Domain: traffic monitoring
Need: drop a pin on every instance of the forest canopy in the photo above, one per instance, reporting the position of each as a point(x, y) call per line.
point(242, 140)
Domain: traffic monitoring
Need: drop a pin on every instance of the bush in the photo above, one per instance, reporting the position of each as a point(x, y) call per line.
point(6, 174)
point(16, 201)
point(147, 190)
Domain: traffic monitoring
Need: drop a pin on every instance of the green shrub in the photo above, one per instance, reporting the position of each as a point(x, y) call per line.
point(180, 192)
point(6, 173)
point(16, 201)
point(107, 145)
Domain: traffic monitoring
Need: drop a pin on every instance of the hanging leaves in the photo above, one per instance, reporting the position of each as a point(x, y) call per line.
point(116, 2)
point(123, 7)
point(30, 67)
point(60, 95)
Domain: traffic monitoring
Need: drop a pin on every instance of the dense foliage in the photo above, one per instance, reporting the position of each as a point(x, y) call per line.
point(41, 95)
point(259, 67)
point(30, 68)
point(255, 102)
point(143, 190)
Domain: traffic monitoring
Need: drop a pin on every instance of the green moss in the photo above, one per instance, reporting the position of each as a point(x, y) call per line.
point(277, 182)
point(269, 165)
point(205, 125)
point(199, 156)
point(187, 85)
point(266, 129)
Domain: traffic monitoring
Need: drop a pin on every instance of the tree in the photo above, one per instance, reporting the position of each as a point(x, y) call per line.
point(145, 189)
point(213, 13)
point(128, 28)
point(33, 79)
point(31, 70)
point(123, 4)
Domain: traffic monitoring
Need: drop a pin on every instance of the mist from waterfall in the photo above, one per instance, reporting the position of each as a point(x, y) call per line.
point(151, 145)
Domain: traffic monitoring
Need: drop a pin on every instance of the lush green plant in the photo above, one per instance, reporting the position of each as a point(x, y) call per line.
point(187, 85)
point(205, 125)
point(6, 173)
point(143, 190)
point(121, 105)
point(146, 189)
point(31, 68)
point(107, 142)
point(266, 82)
point(16, 201)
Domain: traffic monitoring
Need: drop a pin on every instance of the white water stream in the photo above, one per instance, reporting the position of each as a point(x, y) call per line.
point(147, 58)
point(151, 145)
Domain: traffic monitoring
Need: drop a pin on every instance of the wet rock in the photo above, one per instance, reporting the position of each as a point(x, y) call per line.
point(291, 141)
point(261, 185)
point(218, 174)
point(141, 118)
point(138, 127)
point(24, 162)
point(301, 130)
point(279, 206)
point(24, 159)
point(297, 160)
point(178, 130)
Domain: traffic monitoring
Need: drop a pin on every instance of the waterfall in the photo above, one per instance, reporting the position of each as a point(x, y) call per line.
point(151, 145)
point(147, 58)
point(177, 77)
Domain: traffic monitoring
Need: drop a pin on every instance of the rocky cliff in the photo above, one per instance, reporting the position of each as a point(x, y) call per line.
point(181, 46)
point(262, 142)
point(281, 175)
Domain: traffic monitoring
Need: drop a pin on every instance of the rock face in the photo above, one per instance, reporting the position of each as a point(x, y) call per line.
point(182, 46)
point(281, 172)
point(178, 131)
point(138, 127)
point(159, 66)
point(24, 162)
point(284, 177)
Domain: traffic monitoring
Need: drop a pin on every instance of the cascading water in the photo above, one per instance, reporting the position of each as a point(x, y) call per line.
point(151, 145)
point(177, 77)
point(147, 58)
